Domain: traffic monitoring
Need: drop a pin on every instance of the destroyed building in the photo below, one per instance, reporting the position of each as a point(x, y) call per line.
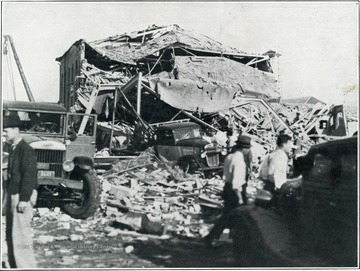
point(164, 73)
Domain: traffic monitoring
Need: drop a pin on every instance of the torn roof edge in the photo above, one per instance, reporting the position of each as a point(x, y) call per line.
point(154, 28)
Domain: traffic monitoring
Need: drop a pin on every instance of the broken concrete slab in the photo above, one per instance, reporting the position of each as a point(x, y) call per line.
point(121, 192)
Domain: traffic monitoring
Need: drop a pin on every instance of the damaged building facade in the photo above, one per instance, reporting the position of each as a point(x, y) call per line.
point(167, 73)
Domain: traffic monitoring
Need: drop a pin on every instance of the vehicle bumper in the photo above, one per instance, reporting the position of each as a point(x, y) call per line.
point(54, 181)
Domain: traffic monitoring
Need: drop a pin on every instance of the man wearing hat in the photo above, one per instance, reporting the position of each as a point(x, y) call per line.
point(235, 170)
point(20, 195)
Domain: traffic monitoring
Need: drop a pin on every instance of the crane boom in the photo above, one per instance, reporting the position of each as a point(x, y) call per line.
point(21, 71)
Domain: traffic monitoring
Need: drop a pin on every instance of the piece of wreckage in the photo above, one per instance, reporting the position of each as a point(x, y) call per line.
point(166, 75)
point(317, 120)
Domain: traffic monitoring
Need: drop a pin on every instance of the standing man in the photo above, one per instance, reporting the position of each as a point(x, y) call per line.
point(235, 179)
point(20, 195)
point(297, 143)
point(274, 169)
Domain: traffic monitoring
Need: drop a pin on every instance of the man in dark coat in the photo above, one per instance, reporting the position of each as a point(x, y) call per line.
point(20, 195)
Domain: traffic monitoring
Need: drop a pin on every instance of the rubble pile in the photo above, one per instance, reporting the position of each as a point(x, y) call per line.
point(147, 195)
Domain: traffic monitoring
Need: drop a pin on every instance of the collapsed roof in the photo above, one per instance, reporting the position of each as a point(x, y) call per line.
point(180, 66)
point(303, 100)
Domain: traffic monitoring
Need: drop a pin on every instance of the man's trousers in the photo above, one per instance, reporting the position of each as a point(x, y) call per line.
point(18, 232)
point(232, 199)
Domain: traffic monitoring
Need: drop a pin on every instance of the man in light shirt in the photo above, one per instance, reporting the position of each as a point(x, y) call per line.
point(274, 169)
point(235, 180)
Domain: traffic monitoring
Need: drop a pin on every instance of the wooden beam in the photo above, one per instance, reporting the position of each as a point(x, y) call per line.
point(253, 61)
point(177, 114)
point(130, 85)
point(200, 121)
point(270, 109)
point(186, 51)
point(225, 53)
point(138, 100)
point(88, 110)
point(134, 111)
point(113, 120)
point(157, 62)
point(149, 89)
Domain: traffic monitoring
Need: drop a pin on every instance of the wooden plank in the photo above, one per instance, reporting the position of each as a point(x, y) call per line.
point(149, 89)
point(200, 121)
point(224, 53)
point(256, 61)
point(138, 98)
point(125, 170)
point(177, 114)
point(88, 110)
point(157, 62)
point(111, 159)
point(134, 111)
point(130, 85)
point(113, 120)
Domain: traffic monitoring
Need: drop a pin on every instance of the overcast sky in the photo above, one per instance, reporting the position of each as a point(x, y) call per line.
point(318, 42)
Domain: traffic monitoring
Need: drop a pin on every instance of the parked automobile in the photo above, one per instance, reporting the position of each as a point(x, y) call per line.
point(314, 222)
point(183, 144)
point(65, 146)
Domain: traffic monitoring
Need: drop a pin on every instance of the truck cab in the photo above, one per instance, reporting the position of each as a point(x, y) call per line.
point(65, 146)
point(183, 144)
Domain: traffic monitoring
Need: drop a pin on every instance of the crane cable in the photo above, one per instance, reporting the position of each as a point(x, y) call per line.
point(7, 53)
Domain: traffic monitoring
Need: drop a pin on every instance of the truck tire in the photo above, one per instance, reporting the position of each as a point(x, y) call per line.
point(91, 198)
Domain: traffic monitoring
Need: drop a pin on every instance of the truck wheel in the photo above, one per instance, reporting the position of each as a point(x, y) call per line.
point(91, 198)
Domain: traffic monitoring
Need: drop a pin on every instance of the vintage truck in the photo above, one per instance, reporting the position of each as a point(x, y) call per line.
point(65, 146)
point(314, 222)
point(183, 144)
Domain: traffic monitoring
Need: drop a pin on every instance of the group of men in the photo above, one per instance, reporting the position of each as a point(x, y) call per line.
point(237, 170)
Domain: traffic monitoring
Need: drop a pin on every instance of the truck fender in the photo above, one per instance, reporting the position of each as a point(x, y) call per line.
point(83, 162)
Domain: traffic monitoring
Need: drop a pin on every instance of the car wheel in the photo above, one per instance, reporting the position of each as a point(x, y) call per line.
point(90, 198)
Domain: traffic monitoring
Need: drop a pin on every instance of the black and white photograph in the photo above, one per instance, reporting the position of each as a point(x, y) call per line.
point(161, 135)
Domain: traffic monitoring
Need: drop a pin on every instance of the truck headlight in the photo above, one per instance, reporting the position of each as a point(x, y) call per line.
point(68, 165)
point(224, 151)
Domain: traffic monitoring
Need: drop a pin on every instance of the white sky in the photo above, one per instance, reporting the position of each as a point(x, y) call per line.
point(318, 41)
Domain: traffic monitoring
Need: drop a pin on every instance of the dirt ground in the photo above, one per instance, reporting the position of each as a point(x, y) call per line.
point(63, 242)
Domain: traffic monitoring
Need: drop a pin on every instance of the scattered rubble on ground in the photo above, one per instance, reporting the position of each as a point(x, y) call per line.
point(147, 195)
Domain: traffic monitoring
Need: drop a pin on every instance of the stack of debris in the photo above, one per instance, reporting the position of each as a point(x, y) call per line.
point(147, 195)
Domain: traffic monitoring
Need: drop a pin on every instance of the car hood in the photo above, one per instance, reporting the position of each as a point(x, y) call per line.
point(192, 142)
point(46, 143)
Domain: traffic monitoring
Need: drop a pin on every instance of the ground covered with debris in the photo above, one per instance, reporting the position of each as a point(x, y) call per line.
point(61, 241)
point(151, 215)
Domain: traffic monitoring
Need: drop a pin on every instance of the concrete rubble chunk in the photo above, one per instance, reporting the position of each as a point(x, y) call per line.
point(121, 192)
point(140, 223)
point(43, 239)
point(129, 249)
point(76, 237)
point(61, 238)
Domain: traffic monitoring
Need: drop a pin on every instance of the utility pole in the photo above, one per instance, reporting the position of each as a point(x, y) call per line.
point(21, 71)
